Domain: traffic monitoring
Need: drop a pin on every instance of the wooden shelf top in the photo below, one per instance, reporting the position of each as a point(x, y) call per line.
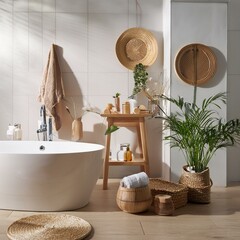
point(136, 162)
point(120, 115)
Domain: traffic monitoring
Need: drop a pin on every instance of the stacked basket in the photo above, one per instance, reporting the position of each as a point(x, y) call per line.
point(178, 192)
point(199, 185)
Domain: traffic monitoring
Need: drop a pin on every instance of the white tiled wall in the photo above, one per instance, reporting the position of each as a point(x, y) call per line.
point(208, 26)
point(86, 32)
point(232, 167)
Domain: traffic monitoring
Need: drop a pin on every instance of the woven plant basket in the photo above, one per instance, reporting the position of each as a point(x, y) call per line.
point(199, 185)
point(178, 192)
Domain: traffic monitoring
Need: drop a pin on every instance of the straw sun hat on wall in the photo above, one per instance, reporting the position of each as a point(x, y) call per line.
point(136, 45)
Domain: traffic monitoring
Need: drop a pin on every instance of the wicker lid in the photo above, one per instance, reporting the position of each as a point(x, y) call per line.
point(159, 184)
point(136, 45)
point(49, 226)
point(195, 64)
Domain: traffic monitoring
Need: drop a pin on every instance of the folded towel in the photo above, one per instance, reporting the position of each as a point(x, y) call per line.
point(136, 180)
point(51, 90)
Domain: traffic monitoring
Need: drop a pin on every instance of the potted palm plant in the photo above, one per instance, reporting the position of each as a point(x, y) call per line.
point(199, 132)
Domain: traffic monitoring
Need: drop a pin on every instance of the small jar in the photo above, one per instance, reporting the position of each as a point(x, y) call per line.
point(126, 108)
point(133, 104)
point(120, 153)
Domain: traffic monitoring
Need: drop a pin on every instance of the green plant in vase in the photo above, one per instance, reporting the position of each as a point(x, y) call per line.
point(141, 84)
point(140, 76)
point(117, 101)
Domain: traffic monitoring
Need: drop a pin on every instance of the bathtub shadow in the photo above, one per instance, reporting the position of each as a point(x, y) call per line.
point(103, 200)
point(90, 236)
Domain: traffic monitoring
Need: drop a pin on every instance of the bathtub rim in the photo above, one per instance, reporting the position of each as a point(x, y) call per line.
point(50, 147)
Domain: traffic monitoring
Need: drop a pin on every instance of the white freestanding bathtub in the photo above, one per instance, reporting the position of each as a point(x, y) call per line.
point(48, 176)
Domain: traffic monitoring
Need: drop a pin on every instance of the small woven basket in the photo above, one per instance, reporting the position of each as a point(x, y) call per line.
point(134, 200)
point(178, 192)
point(199, 185)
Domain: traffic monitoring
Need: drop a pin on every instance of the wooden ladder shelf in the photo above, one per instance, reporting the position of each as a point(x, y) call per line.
point(127, 120)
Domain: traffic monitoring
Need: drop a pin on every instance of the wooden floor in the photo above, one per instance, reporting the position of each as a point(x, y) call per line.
point(218, 220)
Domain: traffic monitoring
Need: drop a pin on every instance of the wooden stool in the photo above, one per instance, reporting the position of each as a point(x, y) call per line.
point(127, 120)
point(163, 205)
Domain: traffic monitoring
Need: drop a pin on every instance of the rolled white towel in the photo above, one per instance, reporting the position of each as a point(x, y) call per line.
point(135, 180)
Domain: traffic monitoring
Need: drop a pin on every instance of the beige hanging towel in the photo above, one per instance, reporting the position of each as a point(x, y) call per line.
point(52, 90)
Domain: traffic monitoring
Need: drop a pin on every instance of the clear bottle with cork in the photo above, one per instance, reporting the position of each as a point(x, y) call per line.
point(17, 132)
point(120, 153)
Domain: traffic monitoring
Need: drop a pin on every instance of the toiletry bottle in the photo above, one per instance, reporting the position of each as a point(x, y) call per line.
point(10, 132)
point(128, 154)
point(110, 155)
point(17, 132)
point(120, 153)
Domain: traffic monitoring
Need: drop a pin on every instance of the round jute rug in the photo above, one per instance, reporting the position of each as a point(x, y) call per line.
point(49, 226)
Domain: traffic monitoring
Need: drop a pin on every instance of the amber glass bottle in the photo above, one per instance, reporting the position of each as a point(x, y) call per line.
point(128, 154)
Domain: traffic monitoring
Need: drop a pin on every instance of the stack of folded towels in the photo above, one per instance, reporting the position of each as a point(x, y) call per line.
point(134, 181)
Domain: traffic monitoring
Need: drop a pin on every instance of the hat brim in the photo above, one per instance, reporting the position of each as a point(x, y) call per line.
point(136, 45)
point(195, 64)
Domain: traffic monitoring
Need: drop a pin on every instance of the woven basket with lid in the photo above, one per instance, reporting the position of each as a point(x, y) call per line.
point(178, 192)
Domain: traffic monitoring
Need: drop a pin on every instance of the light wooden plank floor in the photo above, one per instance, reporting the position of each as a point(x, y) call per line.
point(218, 220)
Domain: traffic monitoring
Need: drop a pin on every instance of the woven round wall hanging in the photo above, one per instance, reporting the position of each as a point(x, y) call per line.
point(195, 64)
point(136, 45)
point(49, 227)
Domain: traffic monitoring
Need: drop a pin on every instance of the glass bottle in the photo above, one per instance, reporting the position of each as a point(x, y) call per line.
point(17, 132)
point(10, 132)
point(128, 154)
point(120, 153)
